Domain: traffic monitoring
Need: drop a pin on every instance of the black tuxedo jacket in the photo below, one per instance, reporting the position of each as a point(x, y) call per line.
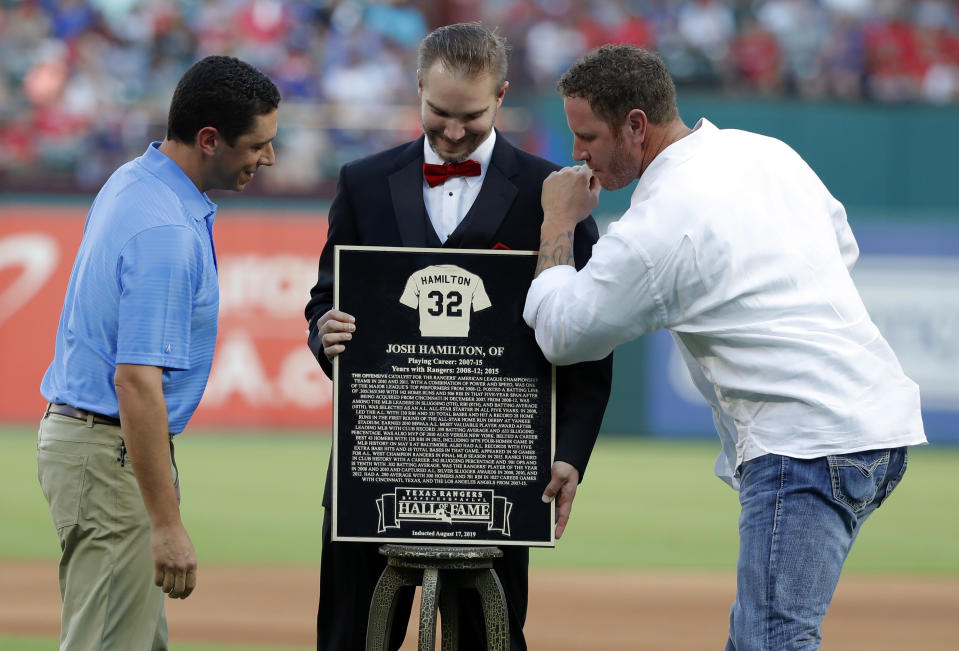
point(379, 202)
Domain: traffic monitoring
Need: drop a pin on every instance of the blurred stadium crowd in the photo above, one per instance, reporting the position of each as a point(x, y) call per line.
point(84, 84)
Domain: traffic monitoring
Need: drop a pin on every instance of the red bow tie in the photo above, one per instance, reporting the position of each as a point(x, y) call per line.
point(436, 174)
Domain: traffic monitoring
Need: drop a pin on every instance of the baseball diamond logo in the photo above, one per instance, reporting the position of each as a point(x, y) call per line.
point(443, 505)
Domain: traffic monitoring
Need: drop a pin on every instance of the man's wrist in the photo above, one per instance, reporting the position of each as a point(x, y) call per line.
point(556, 244)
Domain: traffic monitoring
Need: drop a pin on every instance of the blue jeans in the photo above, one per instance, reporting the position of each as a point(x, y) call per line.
point(798, 522)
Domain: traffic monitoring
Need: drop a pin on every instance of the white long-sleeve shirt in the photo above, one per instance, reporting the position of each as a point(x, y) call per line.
point(733, 243)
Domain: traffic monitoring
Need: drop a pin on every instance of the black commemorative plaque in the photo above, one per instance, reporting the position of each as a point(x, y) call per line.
point(444, 406)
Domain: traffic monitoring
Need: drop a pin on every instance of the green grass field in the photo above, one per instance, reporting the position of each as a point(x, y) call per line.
point(30, 643)
point(645, 504)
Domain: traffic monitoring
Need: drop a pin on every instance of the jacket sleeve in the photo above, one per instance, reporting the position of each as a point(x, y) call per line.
point(582, 390)
point(342, 230)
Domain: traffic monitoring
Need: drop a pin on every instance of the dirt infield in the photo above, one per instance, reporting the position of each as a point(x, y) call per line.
point(568, 610)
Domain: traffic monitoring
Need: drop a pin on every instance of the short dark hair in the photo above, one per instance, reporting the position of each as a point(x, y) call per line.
point(221, 92)
point(466, 48)
point(616, 79)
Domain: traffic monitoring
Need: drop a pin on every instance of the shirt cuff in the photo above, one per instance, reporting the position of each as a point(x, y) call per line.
point(151, 359)
point(543, 286)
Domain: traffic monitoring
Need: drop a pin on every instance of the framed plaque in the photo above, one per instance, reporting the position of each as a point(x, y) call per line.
point(443, 405)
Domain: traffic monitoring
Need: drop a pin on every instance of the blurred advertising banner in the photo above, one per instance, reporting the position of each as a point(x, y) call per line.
point(908, 277)
point(263, 374)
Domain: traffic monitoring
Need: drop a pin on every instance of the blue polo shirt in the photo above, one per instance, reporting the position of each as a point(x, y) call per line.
point(143, 290)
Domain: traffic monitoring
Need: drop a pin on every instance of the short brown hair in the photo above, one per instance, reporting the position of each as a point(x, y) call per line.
point(616, 79)
point(466, 48)
point(222, 92)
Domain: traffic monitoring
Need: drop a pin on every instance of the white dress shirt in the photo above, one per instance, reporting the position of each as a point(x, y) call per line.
point(448, 203)
point(733, 243)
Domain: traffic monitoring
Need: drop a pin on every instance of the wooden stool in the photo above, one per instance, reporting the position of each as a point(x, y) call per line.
point(441, 570)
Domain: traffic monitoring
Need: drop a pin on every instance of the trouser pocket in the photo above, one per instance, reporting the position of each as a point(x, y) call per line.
point(61, 479)
point(856, 477)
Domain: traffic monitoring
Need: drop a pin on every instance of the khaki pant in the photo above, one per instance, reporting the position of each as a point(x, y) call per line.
point(106, 569)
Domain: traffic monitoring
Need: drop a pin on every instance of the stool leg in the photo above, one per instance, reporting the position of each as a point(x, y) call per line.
point(383, 606)
point(494, 610)
point(449, 616)
point(428, 598)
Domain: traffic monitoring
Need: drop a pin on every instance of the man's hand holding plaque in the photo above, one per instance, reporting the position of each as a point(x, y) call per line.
point(336, 328)
point(562, 487)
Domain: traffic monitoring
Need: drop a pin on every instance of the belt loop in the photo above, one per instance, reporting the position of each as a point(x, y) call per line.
point(47, 411)
point(90, 419)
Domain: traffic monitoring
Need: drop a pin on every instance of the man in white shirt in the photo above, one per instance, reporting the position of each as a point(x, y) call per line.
point(734, 245)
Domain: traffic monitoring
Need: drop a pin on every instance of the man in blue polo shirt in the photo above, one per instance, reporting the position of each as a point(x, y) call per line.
point(133, 354)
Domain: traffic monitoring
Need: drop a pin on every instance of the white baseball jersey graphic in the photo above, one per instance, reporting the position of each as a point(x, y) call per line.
point(445, 294)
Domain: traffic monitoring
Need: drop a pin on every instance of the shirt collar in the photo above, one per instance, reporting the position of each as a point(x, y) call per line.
point(482, 154)
point(681, 149)
point(166, 169)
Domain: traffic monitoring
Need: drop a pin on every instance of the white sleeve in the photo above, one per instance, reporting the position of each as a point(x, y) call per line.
point(581, 316)
point(480, 299)
point(411, 292)
point(848, 248)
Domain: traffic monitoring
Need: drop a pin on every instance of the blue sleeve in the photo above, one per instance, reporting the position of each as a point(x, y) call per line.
point(159, 270)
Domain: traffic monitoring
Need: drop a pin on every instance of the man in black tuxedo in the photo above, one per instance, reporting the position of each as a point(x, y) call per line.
point(462, 185)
